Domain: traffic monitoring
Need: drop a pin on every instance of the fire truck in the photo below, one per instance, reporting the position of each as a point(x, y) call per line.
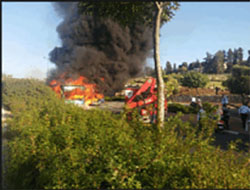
point(144, 99)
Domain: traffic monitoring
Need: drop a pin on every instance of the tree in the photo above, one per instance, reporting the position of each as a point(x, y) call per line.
point(194, 79)
point(230, 56)
point(153, 14)
point(168, 68)
point(218, 63)
point(225, 56)
point(183, 67)
point(230, 59)
point(248, 59)
point(208, 63)
point(160, 82)
point(240, 55)
point(239, 81)
point(185, 64)
point(235, 60)
point(197, 66)
point(175, 70)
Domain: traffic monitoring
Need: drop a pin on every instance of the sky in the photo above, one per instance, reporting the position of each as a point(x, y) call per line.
point(29, 34)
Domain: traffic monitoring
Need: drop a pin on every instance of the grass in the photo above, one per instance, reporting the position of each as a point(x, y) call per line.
point(216, 80)
point(217, 77)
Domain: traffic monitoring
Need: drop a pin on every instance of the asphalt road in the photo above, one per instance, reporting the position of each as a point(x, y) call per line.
point(223, 139)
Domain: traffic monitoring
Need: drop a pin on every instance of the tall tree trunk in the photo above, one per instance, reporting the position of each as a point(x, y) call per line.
point(160, 83)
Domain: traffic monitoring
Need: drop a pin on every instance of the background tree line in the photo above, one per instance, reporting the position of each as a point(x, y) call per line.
point(221, 62)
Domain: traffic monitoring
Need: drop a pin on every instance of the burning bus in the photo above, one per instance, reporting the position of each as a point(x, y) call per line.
point(77, 91)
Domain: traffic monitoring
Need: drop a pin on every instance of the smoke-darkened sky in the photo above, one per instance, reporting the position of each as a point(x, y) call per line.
point(29, 34)
point(100, 49)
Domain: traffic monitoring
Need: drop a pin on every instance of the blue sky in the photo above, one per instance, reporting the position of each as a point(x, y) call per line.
point(29, 34)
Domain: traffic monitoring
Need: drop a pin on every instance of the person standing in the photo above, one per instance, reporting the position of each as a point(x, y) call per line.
point(244, 111)
point(224, 100)
point(193, 102)
point(225, 115)
point(217, 90)
point(200, 115)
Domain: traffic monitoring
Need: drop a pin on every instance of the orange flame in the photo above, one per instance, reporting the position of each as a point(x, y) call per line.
point(88, 93)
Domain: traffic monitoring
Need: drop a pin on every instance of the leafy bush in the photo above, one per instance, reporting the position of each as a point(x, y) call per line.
point(208, 107)
point(239, 81)
point(176, 76)
point(175, 107)
point(194, 79)
point(22, 94)
point(171, 85)
point(59, 146)
point(187, 109)
point(239, 71)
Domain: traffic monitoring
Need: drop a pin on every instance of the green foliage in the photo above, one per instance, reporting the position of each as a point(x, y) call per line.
point(187, 109)
point(208, 107)
point(21, 94)
point(239, 71)
point(128, 13)
point(239, 81)
point(168, 68)
point(61, 146)
point(175, 108)
point(217, 80)
point(216, 65)
point(177, 76)
point(194, 79)
point(171, 85)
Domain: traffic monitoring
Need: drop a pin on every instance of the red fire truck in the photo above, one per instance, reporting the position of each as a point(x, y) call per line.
point(143, 98)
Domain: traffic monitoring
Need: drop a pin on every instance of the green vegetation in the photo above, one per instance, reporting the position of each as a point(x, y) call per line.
point(175, 108)
point(53, 145)
point(221, 62)
point(128, 13)
point(187, 109)
point(171, 85)
point(176, 76)
point(217, 80)
point(239, 81)
point(194, 79)
point(217, 77)
point(22, 94)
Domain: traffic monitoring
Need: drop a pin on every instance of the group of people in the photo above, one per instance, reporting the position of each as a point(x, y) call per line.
point(224, 112)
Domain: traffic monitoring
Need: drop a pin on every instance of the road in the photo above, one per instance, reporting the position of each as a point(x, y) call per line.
point(223, 139)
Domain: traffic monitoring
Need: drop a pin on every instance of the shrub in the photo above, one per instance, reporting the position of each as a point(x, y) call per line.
point(59, 146)
point(177, 76)
point(64, 147)
point(239, 70)
point(175, 107)
point(171, 85)
point(187, 109)
point(208, 107)
point(22, 94)
point(194, 79)
point(239, 81)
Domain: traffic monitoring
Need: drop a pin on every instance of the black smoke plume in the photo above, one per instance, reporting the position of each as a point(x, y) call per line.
point(99, 48)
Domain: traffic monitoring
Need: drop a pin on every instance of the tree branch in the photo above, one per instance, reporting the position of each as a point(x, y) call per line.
point(158, 4)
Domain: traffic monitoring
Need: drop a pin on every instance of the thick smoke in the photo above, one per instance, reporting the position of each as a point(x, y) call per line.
point(99, 48)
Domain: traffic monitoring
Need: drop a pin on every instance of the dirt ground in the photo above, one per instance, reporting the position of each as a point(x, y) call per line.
point(200, 91)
